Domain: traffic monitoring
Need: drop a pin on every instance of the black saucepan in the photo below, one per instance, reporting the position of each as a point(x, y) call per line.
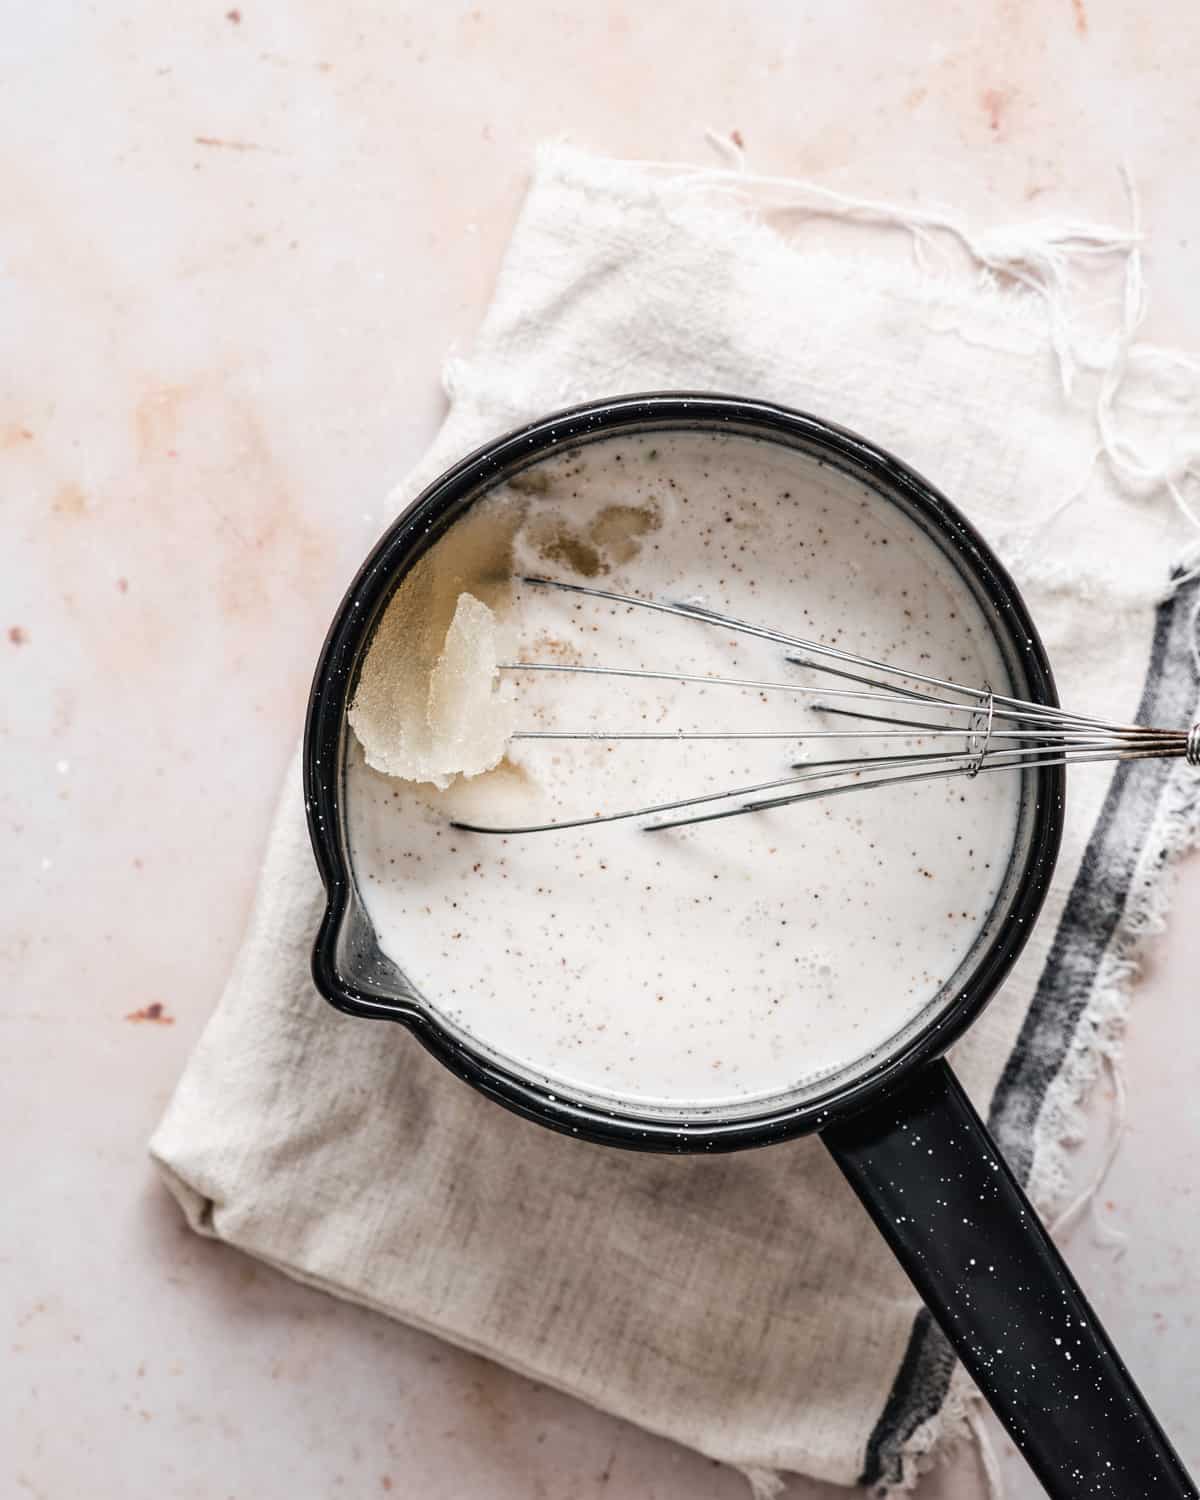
point(900, 1127)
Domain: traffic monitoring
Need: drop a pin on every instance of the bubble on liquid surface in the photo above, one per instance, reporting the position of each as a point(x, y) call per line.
point(816, 969)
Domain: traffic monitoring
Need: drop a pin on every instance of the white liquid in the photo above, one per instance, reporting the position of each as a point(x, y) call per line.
point(733, 960)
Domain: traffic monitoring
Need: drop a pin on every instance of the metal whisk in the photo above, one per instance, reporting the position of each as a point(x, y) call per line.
point(993, 732)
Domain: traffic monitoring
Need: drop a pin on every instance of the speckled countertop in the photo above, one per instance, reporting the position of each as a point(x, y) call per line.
point(236, 244)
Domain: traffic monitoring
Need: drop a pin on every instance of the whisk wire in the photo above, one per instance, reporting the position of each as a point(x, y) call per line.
point(1001, 733)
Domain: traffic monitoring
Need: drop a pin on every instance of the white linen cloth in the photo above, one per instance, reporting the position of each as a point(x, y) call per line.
point(740, 1304)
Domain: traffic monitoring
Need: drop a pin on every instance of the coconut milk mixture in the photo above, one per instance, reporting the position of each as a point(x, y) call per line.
point(711, 965)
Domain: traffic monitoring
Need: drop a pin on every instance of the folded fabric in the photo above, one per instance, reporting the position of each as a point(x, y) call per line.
point(741, 1304)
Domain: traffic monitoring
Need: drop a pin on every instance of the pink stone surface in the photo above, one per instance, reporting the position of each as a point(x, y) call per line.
point(236, 245)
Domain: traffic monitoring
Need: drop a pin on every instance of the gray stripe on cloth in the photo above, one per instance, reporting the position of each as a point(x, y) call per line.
point(1090, 918)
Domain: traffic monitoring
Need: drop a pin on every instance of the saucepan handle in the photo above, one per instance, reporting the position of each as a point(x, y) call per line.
point(930, 1176)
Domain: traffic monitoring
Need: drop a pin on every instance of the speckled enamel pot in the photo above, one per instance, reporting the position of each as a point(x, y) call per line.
point(901, 1128)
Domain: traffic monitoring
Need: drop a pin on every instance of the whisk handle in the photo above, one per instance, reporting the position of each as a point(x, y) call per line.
point(958, 1221)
